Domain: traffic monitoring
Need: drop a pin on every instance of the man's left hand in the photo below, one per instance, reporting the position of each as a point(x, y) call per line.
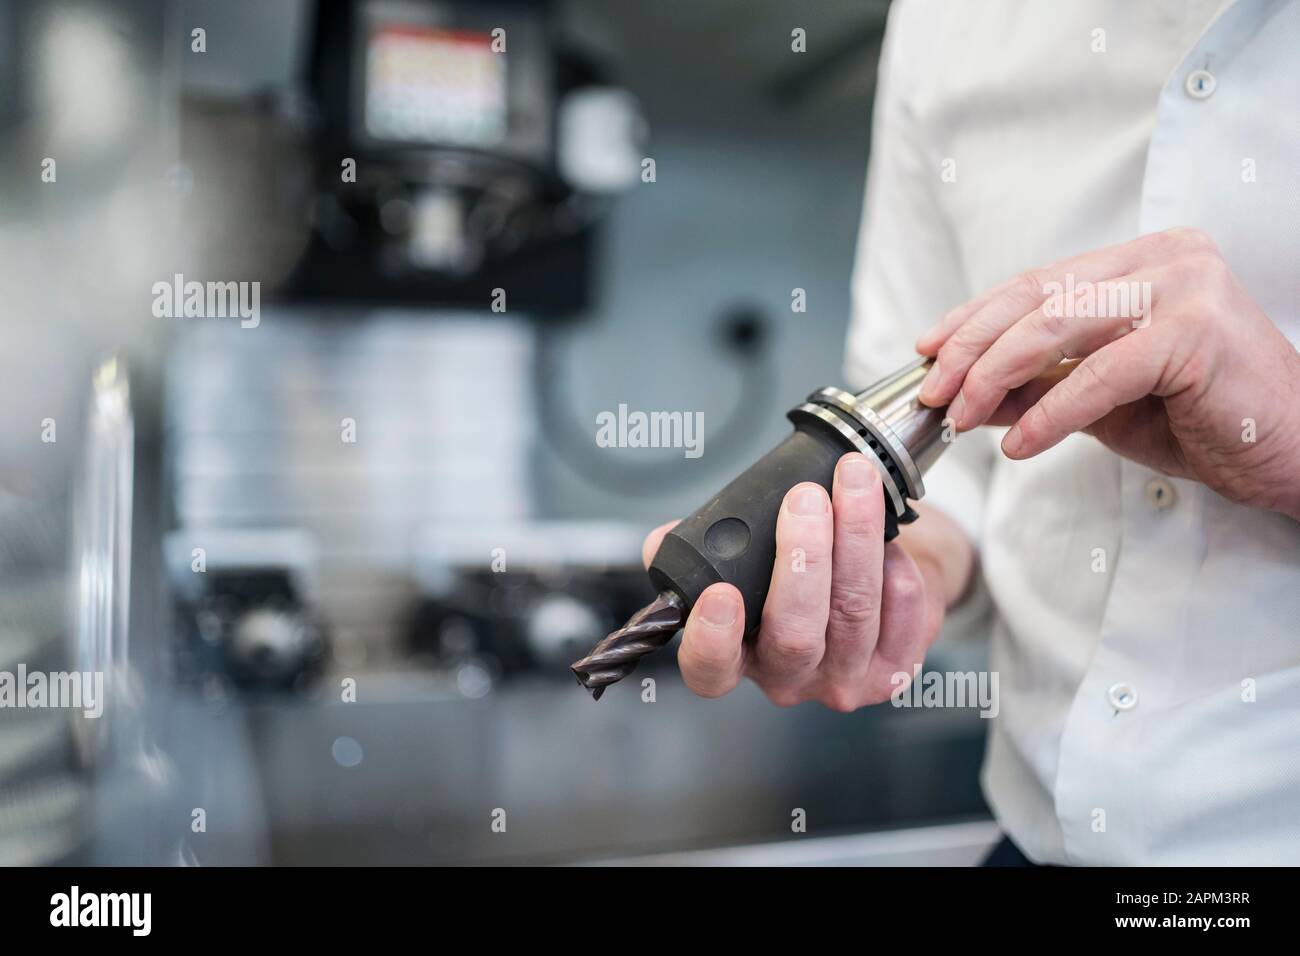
point(1151, 346)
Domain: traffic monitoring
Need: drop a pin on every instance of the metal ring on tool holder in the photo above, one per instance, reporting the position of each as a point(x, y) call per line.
point(830, 418)
point(847, 402)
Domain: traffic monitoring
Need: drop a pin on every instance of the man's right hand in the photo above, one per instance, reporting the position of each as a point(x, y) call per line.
point(845, 611)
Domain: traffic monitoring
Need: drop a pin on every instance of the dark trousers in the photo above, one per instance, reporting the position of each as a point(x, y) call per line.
point(1007, 853)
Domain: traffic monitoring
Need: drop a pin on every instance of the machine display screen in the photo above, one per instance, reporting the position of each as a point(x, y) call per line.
point(429, 85)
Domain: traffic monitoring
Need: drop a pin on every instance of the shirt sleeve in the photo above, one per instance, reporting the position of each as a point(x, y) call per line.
point(908, 270)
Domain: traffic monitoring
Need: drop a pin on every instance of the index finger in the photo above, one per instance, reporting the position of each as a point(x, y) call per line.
point(957, 343)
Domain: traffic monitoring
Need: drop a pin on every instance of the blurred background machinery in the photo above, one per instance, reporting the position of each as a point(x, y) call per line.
point(370, 532)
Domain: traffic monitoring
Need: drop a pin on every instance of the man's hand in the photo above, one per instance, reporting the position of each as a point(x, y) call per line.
point(845, 612)
point(1195, 382)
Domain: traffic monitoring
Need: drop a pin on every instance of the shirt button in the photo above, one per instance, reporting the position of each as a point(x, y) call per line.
point(1200, 84)
point(1122, 697)
point(1161, 493)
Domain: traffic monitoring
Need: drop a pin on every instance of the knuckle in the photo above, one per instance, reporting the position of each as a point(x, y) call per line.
point(794, 644)
point(854, 607)
point(907, 588)
point(782, 696)
point(1044, 420)
point(1030, 285)
point(1207, 266)
point(952, 351)
point(842, 700)
point(1089, 378)
point(955, 354)
point(983, 380)
point(811, 558)
point(1169, 242)
point(1040, 421)
point(703, 686)
point(857, 522)
point(1159, 242)
point(1049, 319)
point(1192, 238)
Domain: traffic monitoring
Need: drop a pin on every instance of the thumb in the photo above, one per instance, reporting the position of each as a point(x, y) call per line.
point(712, 655)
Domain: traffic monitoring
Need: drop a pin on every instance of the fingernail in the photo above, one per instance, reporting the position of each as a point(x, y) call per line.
point(718, 609)
point(808, 503)
point(957, 409)
point(1012, 441)
point(930, 382)
point(857, 476)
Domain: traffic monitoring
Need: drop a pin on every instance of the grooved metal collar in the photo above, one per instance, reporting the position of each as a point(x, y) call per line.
point(873, 423)
point(861, 444)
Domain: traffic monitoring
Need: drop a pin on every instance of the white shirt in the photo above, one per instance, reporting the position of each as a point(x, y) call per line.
point(1150, 705)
